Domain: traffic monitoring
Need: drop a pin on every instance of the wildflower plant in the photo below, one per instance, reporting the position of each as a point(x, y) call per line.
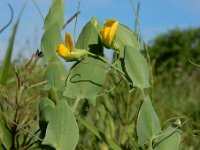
point(67, 90)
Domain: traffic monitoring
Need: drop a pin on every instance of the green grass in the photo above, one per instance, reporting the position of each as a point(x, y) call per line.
point(174, 96)
point(179, 97)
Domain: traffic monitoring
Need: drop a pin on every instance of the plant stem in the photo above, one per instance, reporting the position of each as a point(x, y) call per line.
point(76, 101)
point(16, 108)
point(143, 94)
point(37, 7)
point(71, 18)
point(37, 84)
point(106, 61)
point(79, 3)
point(10, 20)
point(14, 129)
point(137, 20)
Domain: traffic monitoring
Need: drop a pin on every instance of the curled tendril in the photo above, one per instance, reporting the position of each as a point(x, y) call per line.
point(10, 20)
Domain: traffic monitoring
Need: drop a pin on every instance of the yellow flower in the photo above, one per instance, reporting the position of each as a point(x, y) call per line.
point(108, 32)
point(68, 52)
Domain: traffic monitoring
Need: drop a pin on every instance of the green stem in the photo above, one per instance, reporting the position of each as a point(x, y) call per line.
point(76, 101)
point(118, 57)
point(10, 20)
point(71, 18)
point(16, 109)
point(106, 61)
point(151, 71)
point(137, 20)
point(79, 3)
point(143, 94)
point(53, 95)
point(37, 84)
point(37, 7)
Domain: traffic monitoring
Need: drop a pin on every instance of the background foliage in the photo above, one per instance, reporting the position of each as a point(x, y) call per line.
point(35, 114)
point(173, 49)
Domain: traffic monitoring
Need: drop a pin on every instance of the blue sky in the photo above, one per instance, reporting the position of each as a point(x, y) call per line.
point(156, 16)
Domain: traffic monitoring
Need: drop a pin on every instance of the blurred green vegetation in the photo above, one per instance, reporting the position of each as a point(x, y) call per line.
point(19, 99)
point(176, 80)
point(175, 94)
point(172, 50)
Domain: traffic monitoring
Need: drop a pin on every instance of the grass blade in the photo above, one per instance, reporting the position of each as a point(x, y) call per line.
point(7, 59)
point(99, 134)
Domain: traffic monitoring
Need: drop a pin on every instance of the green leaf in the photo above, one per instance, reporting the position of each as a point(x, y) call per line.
point(124, 36)
point(99, 134)
point(148, 125)
point(5, 136)
point(50, 39)
point(53, 25)
point(169, 139)
point(55, 75)
point(96, 24)
point(46, 107)
point(89, 38)
point(136, 67)
point(55, 14)
point(62, 131)
point(86, 79)
point(6, 62)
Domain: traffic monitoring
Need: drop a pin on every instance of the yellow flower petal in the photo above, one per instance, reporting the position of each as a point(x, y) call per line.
point(113, 30)
point(63, 51)
point(68, 42)
point(109, 22)
point(68, 52)
point(108, 32)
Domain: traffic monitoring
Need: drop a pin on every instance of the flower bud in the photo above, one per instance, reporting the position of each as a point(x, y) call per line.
point(108, 32)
